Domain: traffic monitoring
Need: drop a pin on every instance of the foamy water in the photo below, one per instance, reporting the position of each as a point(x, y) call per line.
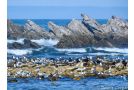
point(120, 50)
point(19, 52)
point(21, 41)
point(81, 50)
point(46, 42)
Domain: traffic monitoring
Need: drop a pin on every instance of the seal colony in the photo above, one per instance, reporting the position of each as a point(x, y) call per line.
point(86, 32)
point(76, 69)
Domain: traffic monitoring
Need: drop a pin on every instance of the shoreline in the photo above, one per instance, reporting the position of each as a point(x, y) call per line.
point(42, 68)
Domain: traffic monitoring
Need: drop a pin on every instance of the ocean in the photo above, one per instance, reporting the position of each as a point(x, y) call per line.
point(49, 51)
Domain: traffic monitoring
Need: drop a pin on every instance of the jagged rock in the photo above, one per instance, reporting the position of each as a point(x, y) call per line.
point(77, 33)
point(116, 32)
point(80, 36)
point(58, 31)
point(78, 28)
point(90, 23)
point(29, 31)
point(14, 31)
point(27, 44)
point(34, 31)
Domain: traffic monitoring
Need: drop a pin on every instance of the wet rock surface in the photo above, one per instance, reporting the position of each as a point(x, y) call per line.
point(52, 70)
point(27, 44)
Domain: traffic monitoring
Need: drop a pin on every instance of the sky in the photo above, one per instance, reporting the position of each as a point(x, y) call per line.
point(66, 9)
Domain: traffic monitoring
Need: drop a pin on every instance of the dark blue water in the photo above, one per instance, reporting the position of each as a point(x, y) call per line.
point(44, 22)
point(111, 83)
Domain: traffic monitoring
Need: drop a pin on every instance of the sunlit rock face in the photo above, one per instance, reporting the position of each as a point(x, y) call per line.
point(78, 33)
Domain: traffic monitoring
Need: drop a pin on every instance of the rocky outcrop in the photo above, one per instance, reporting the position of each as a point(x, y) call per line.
point(79, 37)
point(27, 44)
point(29, 31)
point(90, 33)
point(34, 31)
point(43, 68)
point(14, 31)
point(58, 31)
point(78, 33)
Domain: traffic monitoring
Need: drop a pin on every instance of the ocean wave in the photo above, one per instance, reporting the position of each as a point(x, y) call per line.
point(100, 53)
point(80, 50)
point(19, 52)
point(119, 50)
point(46, 42)
point(71, 51)
point(21, 41)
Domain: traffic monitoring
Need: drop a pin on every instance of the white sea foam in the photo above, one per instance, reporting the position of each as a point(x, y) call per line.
point(100, 53)
point(19, 52)
point(80, 50)
point(46, 42)
point(22, 51)
point(18, 40)
point(120, 50)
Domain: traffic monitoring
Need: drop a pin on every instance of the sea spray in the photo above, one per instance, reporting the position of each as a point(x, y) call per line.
point(20, 52)
point(80, 50)
point(46, 42)
point(119, 50)
point(21, 41)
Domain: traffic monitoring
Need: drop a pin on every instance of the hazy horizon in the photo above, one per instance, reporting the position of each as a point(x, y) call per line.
point(59, 9)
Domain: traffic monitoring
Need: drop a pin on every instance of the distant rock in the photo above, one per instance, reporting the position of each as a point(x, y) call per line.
point(78, 33)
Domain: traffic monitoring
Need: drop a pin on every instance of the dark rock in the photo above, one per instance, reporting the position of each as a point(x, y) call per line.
point(14, 31)
point(30, 44)
point(52, 77)
point(15, 45)
point(27, 44)
point(13, 80)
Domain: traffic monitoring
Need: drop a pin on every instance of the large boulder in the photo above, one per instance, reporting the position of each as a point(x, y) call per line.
point(34, 31)
point(79, 37)
point(58, 31)
point(27, 44)
point(14, 31)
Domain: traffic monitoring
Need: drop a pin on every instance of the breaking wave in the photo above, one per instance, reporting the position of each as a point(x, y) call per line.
point(80, 50)
point(18, 41)
point(19, 52)
point(42, 42)
point(48, 50)
point(119, 50)
point(46, 42)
